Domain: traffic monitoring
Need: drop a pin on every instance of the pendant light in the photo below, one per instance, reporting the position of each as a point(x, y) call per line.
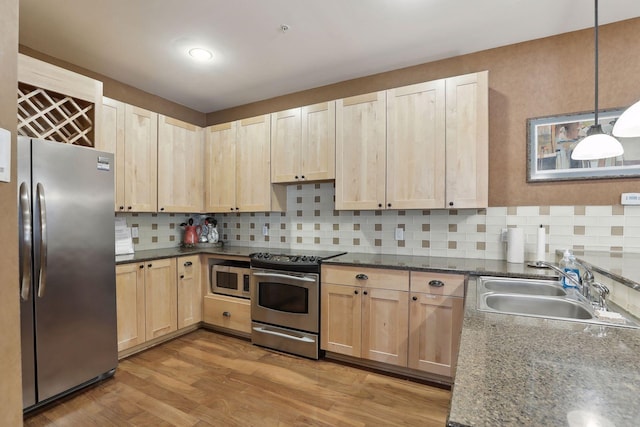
point(628, 124)
point(597, 144)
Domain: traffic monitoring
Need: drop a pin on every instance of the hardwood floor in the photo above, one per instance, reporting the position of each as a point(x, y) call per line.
point(210, 379)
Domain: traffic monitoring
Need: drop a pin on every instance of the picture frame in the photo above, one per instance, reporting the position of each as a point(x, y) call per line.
point(551, 139)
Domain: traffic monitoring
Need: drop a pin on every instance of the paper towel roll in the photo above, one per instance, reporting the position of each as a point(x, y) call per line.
point(541, 248)
point(515, 245)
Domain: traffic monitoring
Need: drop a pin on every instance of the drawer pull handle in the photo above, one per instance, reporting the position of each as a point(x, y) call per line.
point(361, 276)
point(436, 283)
point(226, 314)
point(188, 264)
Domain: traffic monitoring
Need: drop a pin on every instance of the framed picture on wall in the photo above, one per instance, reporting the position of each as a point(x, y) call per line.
point(550, 141)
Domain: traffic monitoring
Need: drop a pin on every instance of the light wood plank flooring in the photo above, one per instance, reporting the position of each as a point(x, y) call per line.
point(210, 379)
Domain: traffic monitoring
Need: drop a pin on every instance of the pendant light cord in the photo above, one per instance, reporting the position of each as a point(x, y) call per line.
point(596, 67)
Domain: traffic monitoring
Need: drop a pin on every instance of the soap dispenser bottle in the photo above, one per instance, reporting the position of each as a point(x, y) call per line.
point(570, 267)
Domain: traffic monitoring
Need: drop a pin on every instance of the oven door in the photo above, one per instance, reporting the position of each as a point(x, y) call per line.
point(286, 299)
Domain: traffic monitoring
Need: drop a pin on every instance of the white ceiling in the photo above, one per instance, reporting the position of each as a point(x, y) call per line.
point(143, 43)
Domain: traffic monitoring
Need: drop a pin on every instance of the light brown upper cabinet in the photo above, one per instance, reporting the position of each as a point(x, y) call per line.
point(422, 146)
point(303, 143)
point(416, 146)
point(241, 150)
point(467, 184)
point(132, 134)
point(180, 163)
point(360, 151)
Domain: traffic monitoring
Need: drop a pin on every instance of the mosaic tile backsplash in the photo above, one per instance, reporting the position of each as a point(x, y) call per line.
point(312, 223)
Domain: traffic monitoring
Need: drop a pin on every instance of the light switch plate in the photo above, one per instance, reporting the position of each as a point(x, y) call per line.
point(5, 155)
point(134, 231)
point(265, 230)
point(630, 199)
point(399, 233)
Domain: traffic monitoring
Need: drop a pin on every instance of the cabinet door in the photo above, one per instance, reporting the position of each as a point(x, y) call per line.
point(220, 169)
point(318, 141)
point(180, 162)
point(286, 163)
point(435, 325)
point(360, 151)
point(467, 141)
point(141, 160)
point(161, 297)
point(385, 317)
point(253, 170)
point(416, 146)
point(130, 305)
point(341, 328)
point(189, 291)
point(113, 141)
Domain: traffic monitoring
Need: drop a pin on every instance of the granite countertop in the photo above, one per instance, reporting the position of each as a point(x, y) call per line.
point(516, 370)
point(241, 251)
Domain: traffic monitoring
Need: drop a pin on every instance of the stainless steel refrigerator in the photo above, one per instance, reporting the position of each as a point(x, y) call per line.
point(67, 268)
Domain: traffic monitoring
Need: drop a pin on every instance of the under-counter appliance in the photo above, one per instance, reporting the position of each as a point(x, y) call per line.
point(67, 268)
point(285, 301)
point(229, 278)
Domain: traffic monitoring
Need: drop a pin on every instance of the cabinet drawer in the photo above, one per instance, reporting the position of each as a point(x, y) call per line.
point(371, 277)
point(228, 312)
point(452, 284)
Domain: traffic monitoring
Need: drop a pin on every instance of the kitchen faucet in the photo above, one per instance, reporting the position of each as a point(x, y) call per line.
point(587, 285)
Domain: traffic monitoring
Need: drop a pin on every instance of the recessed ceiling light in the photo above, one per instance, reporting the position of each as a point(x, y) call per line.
point(200, 54)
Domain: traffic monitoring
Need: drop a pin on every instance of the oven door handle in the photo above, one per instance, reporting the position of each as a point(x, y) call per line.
point(285, 276)
point(280, 334)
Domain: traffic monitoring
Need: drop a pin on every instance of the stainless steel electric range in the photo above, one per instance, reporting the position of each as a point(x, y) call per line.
point(285, 300)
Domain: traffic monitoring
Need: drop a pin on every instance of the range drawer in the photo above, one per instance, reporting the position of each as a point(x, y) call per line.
point(380, 278)
point(437, 283)
point(228, 312)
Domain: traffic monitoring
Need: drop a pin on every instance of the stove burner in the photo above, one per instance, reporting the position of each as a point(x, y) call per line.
point(291, 262)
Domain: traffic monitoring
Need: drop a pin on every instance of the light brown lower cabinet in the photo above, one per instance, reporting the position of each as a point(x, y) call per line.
point(227, 312)
point(189, 291)
point(146, 301)
point(365, 313)
point(435, 321)
point(370, 313)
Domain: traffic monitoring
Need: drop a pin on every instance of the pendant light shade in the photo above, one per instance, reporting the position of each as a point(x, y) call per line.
point(597, 145)
point(628, 124)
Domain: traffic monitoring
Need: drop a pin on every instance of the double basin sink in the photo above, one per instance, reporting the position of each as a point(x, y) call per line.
point(538, 298)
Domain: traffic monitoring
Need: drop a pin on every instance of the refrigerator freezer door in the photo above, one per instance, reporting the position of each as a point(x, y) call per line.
point(75, 315)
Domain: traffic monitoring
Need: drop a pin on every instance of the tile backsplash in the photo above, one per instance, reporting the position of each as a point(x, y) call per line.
point(312, 223)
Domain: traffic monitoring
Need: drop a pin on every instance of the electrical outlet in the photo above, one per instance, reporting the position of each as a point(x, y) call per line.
point(503, 235)
point(399, 233)
point(134, 232)
point(265, 230)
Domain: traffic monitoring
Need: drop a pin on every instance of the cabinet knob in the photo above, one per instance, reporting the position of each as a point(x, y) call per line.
point(365, 293)
point(379, 205)
point(436, 283)
point(388, 205)
point(450, 203)
point(121, 208)
point(149, 265)
point(362, 276)
point(141, 265)
point(231, 208)
point(161, 209)
point(302, 177)
point(237, 209)
point(182, 276)
point(414, 298)
point(226, 314)
point(129, 207)
point(188, 264)
point(355, 292)
point(296, 177)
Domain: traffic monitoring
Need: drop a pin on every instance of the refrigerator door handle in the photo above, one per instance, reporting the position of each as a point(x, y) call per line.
point(26, 242)
point(42, 278)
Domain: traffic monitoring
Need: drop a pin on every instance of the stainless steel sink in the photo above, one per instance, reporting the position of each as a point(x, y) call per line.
point(522, 286)
point(540, 298)
point(535, 305)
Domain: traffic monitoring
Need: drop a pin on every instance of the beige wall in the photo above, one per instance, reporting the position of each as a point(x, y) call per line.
point(10, 381)
point(533, 79)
